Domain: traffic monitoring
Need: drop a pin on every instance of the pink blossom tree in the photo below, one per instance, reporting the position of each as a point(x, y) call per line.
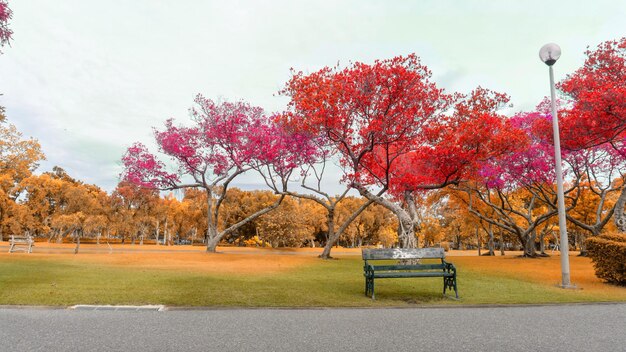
point(226, 140)
point(5, 16)
point(515, 191)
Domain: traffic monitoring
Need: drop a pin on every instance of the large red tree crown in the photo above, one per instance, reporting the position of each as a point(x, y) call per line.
point(366, 107)
point(597, 94)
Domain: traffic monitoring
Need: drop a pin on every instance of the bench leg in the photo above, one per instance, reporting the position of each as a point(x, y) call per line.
point(450, 283)
point(369, 287)
point(372, 289)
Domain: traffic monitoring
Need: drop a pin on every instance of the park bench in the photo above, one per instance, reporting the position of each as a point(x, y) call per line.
point(21, 243)
point(406, 264)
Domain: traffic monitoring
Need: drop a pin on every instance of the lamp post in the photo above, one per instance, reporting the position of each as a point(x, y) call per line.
point(549, 53)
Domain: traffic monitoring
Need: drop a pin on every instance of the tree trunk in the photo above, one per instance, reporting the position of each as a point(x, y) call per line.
point(406, 231)
point(583, 246)
point(77, 242)
point(212, 238)
point(619, 216)
point(408, 239)
point(501, 243)
point(529, 244)
point(334, 235)
point(212, 245)
point(490, 243)
point(542, 245)
point(406, 224)
point(331, 235)
point(166, 233)
point(157, 232)
point(412, 240)
point(478, 240)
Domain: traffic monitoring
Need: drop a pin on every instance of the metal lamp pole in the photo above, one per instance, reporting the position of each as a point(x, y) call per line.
point(549, 53)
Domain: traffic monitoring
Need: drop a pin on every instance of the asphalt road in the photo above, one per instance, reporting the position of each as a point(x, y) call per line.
point(542, 328)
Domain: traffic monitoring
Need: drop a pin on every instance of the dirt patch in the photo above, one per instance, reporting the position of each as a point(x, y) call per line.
point(546, 270)
point(170, 258)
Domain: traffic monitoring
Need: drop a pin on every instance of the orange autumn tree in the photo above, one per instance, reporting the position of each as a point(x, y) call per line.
point(135, 206)
point(19, 157)
point(370, 227)
point(41, 195)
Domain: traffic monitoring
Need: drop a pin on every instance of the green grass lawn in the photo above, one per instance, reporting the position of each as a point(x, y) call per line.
point(28, 280)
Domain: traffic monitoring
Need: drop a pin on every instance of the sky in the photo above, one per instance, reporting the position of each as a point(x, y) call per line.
point(88, 78)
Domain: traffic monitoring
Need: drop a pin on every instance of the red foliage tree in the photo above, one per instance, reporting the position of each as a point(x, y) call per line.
point(389, 123)
point(596, 114)
point(371, 114)
point(597, 93)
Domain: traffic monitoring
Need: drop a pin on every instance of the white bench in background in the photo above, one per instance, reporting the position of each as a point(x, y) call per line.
point(21, 243)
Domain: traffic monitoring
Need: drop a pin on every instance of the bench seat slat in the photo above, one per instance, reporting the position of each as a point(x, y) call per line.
point(399, 274)
point(409, 267)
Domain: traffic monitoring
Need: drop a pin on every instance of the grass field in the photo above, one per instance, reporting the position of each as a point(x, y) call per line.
point(187, 276)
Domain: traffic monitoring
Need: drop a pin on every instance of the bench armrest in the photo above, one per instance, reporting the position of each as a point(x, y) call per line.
point(368, 270)
point(449, 267)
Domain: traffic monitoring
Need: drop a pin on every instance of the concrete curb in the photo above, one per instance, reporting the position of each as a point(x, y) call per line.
point(152, 308)
point(162, 308)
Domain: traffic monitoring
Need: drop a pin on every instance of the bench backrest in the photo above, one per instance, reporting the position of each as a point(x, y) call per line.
point(403, 253)
point(21, 238)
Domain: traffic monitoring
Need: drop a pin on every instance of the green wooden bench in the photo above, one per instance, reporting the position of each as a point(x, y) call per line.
point(403, 266)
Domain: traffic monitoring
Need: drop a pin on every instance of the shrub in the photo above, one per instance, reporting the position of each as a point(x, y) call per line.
point(608, 253)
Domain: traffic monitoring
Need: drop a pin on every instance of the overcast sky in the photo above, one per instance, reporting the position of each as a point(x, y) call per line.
point(88, 78)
